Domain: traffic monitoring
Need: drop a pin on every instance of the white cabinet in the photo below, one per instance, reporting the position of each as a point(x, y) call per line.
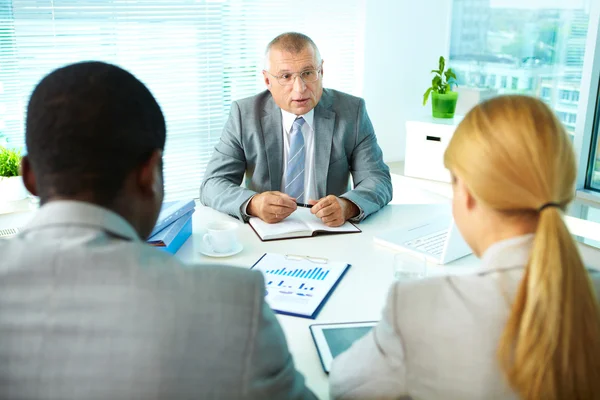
point(426, 142)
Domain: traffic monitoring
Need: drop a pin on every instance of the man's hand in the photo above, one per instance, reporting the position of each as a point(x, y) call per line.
point(334, 211)
point(271, 207)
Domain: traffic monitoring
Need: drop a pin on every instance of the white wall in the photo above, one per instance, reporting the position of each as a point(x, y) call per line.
point(403, 41)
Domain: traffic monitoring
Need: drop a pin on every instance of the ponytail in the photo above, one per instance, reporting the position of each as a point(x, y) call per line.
point(550, 347)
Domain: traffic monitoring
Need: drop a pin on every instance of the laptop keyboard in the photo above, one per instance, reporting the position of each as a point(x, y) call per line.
point(6, 233)
point(431, 244)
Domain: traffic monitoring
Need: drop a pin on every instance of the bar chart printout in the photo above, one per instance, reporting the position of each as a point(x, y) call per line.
point(298, 286)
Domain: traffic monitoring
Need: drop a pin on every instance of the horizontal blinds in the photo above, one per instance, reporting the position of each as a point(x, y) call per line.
point(195, 56)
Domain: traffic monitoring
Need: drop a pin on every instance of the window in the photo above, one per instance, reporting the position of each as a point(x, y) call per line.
point(482, 79)
point(593, 174)
point(564, 95)
point(540, 44)
point(562, 116)
point(492, 81)
point(545, 93)
point(195, 56)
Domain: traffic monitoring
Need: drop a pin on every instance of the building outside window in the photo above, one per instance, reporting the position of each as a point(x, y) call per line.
point(545, 92)
point(564, 95)
point(593, 174)
point(514, 83)
point(539, 44)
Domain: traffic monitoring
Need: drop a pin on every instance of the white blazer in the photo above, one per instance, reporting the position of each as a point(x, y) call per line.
point(438, 337)
point(89, 311)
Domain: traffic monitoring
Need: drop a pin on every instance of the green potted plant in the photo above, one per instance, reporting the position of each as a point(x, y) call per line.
point(11, 184)
point(443, 99)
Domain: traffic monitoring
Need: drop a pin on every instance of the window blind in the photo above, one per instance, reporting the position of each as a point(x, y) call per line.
point(195, 56)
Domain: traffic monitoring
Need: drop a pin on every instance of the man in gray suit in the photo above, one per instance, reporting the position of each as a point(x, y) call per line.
point(297, 142)
point(87, 309)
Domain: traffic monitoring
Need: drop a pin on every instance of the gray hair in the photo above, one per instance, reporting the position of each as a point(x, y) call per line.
point(292, 42)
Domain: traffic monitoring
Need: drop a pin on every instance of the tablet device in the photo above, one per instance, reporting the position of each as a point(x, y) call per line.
point(333, 339)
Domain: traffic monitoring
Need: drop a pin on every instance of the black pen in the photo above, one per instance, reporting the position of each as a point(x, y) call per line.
point(304, 205)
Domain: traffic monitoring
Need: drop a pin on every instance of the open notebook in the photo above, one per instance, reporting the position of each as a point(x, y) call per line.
point(300, 224)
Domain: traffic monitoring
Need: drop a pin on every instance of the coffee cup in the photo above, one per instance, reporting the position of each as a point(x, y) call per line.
point(221, 236)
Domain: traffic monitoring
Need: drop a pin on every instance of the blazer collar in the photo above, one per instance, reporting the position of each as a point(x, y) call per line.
point(324, 126)
point(69, 213)
point(272, 141)
point(324, 123)
point(513, 252)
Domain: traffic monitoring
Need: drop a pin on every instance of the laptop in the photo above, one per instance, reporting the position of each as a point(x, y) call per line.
point(6, 233)
point(438, 240)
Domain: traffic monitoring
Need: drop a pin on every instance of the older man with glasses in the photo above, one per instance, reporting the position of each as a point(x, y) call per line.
point(297, 143)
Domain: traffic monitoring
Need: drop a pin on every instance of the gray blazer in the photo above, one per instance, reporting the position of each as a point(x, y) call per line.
point(252, 144)
point(438, 337)
point(88, 311)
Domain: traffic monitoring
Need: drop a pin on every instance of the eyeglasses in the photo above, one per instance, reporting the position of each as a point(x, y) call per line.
point(308, 76)
point(315, 260)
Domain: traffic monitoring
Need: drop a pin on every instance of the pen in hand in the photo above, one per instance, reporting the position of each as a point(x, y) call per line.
point(304, 205)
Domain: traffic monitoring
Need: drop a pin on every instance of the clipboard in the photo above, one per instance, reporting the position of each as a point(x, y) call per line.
point(299, 285)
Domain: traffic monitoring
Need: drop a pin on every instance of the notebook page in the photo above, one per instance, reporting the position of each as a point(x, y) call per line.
point(315, 223)
point(288, 225)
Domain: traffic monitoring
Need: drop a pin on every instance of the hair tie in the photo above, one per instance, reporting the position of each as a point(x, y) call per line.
point(547, 205)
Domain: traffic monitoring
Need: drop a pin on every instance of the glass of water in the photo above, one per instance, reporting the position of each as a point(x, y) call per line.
point(409, 266)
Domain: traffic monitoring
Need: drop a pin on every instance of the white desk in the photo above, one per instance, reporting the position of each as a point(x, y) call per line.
point(360, 295)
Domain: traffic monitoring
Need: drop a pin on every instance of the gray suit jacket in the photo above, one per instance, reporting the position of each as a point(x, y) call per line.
point(438, 337)
point(252, 144)
point(88, 311)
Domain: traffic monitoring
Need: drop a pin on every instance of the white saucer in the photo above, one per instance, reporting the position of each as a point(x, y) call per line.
point(209, 252)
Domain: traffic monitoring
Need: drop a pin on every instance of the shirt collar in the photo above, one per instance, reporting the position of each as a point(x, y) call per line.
point(66, 212)
point(513, 252)
point(288, 119)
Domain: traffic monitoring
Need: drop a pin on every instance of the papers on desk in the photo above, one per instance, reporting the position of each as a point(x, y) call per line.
point(300, 224)
point(299, 285)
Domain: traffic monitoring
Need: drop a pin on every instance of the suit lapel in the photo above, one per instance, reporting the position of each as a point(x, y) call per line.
point(273, 142)
point(324, 124)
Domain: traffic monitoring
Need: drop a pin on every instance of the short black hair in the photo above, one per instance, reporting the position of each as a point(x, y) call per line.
point(88, 126)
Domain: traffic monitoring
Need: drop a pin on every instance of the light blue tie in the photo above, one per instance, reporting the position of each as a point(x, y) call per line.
point(294, 175)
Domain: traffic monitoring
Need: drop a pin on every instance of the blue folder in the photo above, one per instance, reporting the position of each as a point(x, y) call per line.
point(171, 238)
point(171, 211)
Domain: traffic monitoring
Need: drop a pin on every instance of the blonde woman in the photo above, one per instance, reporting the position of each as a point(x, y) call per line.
point(527, 323)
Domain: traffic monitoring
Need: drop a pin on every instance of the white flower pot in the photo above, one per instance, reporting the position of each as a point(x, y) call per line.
point(12, 189)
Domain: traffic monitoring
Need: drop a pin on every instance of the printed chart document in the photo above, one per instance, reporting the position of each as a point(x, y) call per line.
point(299, 285)
point(300, 224)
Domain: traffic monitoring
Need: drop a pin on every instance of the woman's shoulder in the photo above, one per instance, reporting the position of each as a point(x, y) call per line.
point(482, 286)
